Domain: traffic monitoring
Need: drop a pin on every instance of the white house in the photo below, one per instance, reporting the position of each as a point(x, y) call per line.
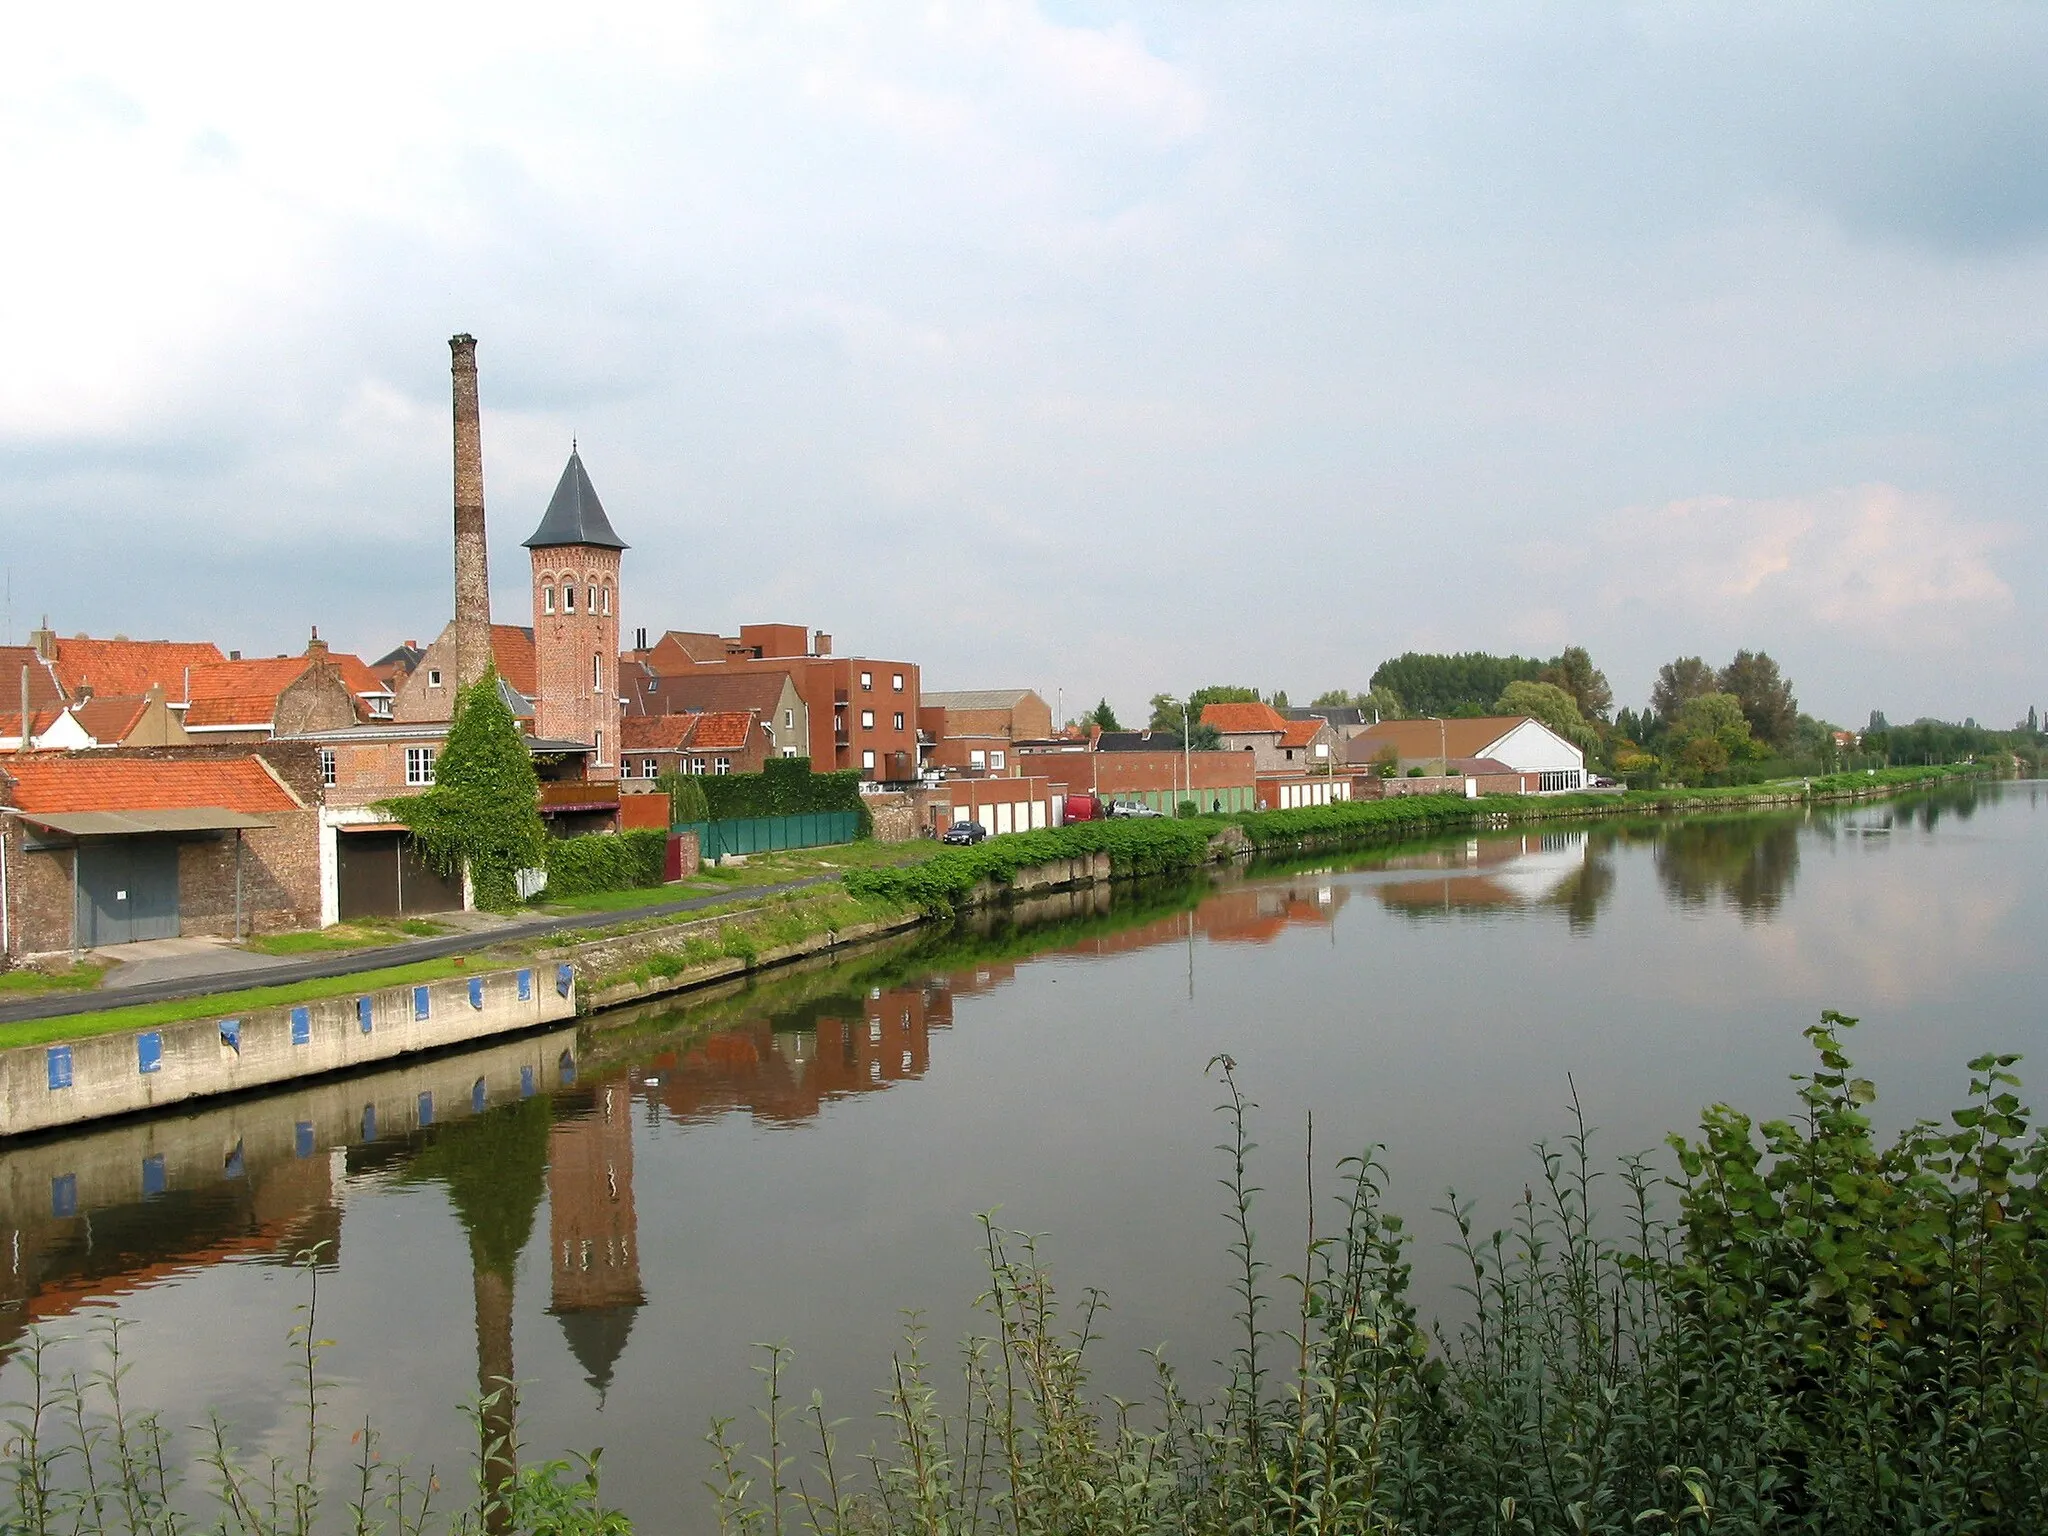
point(1490, 748)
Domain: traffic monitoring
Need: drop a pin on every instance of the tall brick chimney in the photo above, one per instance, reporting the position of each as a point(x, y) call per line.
point(472, 563)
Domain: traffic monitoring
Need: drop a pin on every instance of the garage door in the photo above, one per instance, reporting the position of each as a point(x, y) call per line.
point(127, 890)
point(381, 874)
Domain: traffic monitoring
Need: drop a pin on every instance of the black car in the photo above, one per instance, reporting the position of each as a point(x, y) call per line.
point(964, 832)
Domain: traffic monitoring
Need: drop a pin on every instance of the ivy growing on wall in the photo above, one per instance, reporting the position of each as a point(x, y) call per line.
point(482, 813)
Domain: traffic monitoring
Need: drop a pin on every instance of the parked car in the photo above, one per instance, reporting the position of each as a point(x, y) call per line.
point(964, 832)
point(1133, 808)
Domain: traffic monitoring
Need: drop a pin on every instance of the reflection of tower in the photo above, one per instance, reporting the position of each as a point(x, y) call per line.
point(594, 1241)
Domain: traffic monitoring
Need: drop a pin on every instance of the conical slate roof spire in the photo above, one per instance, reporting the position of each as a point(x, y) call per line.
point(575, 515)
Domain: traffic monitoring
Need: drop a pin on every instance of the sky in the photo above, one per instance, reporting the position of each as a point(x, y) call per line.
point(1098, 349)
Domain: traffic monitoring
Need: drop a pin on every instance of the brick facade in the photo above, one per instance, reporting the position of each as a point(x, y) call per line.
point(576, 648)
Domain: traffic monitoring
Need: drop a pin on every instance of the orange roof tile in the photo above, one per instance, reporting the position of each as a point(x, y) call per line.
point(1419, 740)
point(40, 720)
point(42, 687)
point(109, 720)
point(254, 710)
point(512, 650)
point(1300, 733)
point(251, 678)
point(130, 666)
point(655, 733)
point(56, 784)
point(724, 730)
point(1234, 719)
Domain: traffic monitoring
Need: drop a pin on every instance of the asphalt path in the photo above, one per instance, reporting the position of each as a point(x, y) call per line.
point(347, 962)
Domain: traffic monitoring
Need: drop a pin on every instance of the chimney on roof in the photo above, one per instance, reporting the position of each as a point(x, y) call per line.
point(472, 565)
point(640, 639)
point(316, 646)
point(824, 645)
point(44, 640)
point(234, 655)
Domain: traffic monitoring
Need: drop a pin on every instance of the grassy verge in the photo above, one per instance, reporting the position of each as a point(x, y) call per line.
point(355, 935)
point(77, 1026)
point(33, 981)
point(745, 933)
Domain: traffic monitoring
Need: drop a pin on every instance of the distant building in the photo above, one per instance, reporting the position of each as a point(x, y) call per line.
point(252, 700)
point(771, 697)
point(1490, 746)
point(1256, 728)
point(976, 730)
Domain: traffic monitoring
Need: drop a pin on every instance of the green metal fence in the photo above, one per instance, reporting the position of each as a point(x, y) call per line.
point(765, 834)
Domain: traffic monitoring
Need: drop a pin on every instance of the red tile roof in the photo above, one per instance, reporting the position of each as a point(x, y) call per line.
point(655, 733)
point(254, 710)
point(1300, 733)
point(40, 720)
point(130, 666)
point(245, 692)
point(42, 687)
point(512, 650)
point(725, 730)
point(1236, 719)
point(57, 784)
point(109, 720)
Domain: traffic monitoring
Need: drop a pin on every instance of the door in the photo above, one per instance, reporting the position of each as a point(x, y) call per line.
point(381, 874)
point(127, 890)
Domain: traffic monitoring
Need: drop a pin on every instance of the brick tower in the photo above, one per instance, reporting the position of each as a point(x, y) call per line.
point(472, 564)
point(593, 1237)
point(576, 617)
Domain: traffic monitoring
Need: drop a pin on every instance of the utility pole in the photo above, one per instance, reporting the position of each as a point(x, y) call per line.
point(1187, 758)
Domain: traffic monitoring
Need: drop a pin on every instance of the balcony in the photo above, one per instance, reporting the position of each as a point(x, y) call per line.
point(560, 795)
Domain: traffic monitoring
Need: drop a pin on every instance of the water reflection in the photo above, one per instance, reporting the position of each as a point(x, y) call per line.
point(1569, 872)
point(1747, 863)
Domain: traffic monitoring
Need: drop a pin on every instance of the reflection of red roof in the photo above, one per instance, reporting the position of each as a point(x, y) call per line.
point(1234, 719)
point(655, 733)
point(130, 666)
point(98, 783)
point(1300, 733)
point(724, 730)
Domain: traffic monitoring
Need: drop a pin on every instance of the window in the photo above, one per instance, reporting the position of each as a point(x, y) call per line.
point(650, 685)
point(867, 680)
point(995, 761)
point(898, 718)
point(592, 608)
point(419, 765)
point(867, 719)
point(433, 677)
point(896, 681)
point(977, 758)
point(721, 765)
point(696, 765)
point(789, 752)
point(648, 769)
point(327, 767)
point(867, 760)
point(568, 597)
point(789, 719)
point(598, 745)
point(547, 599)
point(607, 597)
point(597, 671)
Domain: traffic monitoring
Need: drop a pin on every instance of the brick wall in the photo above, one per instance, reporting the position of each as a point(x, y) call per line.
point(317, 701)
point(575, 703)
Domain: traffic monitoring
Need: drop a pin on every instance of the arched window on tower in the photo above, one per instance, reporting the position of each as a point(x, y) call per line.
point(607, 598)
point(597, 670)
point(547, 599)
point(568, 597)
point(593, 599)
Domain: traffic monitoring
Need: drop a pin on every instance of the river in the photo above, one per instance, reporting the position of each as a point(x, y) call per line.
point(636, 1207)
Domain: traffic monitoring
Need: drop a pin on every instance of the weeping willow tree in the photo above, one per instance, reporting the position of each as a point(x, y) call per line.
point(482, 813)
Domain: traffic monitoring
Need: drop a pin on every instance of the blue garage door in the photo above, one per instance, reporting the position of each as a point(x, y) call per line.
point(127, 890)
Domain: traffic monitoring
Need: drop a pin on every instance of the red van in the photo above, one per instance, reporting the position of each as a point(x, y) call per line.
point(1083, 807)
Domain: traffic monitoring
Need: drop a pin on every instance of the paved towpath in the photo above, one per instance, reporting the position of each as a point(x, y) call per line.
point(238, 974)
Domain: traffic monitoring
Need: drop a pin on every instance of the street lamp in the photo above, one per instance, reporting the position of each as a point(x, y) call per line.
point(1187, 759)
point(1442, 747)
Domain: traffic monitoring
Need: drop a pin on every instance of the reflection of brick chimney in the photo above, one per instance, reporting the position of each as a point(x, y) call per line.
point(472, 564)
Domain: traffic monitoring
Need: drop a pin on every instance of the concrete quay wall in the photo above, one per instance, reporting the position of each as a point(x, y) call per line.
point(43, 1087)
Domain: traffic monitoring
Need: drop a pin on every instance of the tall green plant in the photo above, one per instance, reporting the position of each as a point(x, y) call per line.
point(482, 813)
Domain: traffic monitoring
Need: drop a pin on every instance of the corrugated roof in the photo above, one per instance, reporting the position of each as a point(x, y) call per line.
point(1241, 719)
point(101, 783)
point(130, 666)
point(976, 698)
point(575, 515)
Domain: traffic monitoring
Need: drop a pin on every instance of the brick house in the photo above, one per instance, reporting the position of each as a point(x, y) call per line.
point(1250, 727)
point(770, 696)
point(975, 731)
point(255, 699)
point(1501, 747)
point(715, 742)
point(142, 720)
point(428, 691)
point(1309, 746)
point(1159, 777)
point(113, 846)
point(121, 667)
point(862, 712)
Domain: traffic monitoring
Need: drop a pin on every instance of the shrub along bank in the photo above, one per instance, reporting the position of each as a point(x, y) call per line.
point(1151, 847)
point(606, 861)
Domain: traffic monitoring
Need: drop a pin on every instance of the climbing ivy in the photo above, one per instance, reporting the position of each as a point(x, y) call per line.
point(482, 813)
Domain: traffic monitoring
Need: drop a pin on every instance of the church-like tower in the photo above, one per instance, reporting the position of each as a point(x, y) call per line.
point(576, 617)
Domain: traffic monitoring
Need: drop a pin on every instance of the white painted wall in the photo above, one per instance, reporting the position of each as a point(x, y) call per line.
point(1533, 747)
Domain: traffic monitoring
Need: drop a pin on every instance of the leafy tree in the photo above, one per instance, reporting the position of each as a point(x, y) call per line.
point(1331, 698)
point(1677, 682)
point(1374, 703)
point(1278, 698)
point(1766, 697)
point(1166, 710)
point(1574, 672)
point(2033, 721)
point(1464, 684)
point(482, 813)
point(1165, 714)
point(1550, 704)
point(1709, 734)
point(1203, 738)
point(686, 802)
point(1877, 722)
point(1220, 695)
point(1387, 761)
point(1639, 728)
point(1104, 716)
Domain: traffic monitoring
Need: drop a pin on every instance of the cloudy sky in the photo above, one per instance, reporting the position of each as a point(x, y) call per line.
point(1083, 347)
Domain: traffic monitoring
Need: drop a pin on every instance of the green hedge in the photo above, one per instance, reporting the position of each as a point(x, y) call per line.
point(606, 861)
point(785, 787)
point(1150, 847)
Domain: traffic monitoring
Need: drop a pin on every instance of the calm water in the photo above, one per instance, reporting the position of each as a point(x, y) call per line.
point(800, 1161)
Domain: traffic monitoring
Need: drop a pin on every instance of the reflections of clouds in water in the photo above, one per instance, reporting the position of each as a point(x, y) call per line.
point(1747, 863)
